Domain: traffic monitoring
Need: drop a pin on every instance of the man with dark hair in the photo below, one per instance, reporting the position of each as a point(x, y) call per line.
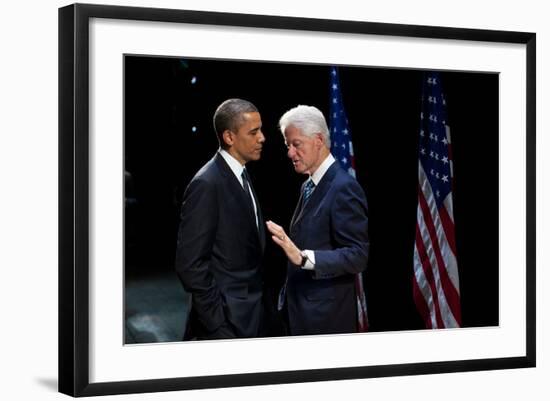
point(221, 237)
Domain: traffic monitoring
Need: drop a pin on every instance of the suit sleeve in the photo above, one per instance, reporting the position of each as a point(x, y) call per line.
point(348, 231)
point(196, 236)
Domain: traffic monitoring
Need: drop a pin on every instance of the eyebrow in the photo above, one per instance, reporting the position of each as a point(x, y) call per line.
point(255, 129)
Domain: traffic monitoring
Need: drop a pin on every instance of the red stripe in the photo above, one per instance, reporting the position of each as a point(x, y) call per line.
point(428, 273)
point(453, 299)
point(448, 227)
point(449, 148)
point(421, 304)
point(362, 323)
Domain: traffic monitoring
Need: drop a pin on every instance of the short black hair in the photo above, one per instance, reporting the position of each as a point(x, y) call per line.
point(228, 116)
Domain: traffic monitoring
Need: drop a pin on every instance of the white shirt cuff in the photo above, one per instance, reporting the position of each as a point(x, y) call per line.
point(310, 263)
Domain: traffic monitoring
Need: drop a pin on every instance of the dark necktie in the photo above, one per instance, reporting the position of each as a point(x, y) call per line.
point(308, 189)
point(246, 187)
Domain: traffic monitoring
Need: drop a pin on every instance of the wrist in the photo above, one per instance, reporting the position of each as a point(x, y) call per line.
point(297, 257)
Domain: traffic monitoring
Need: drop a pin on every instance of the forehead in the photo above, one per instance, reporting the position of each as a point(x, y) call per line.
point(292, 133)
point(250, 118)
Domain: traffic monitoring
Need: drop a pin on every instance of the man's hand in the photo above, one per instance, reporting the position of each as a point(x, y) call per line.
point(280, 238)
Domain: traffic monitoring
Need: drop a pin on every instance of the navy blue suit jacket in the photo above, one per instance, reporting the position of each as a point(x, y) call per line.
point(219, 254)
point(333, 223)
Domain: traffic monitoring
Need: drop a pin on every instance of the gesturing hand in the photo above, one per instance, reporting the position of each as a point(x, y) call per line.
point(280, 238)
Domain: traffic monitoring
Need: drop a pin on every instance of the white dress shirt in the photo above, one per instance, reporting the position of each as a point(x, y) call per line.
point(237, 169)
point(316, 178)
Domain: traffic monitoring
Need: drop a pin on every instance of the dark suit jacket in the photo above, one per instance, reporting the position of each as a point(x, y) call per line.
point(219, 254)
point(333, 223)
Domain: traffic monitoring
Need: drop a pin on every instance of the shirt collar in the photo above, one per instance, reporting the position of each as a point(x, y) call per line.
point(233, 163)
point(320, 172)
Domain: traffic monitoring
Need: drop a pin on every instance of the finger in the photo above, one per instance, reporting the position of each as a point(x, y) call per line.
point(277, 240)
point(276, 230)
point(273, 225)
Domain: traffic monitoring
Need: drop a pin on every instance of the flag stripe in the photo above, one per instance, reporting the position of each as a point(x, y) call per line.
point(438, 276)
point(420, 301)
point(361, 304)
point(446, 292)
point(435, 218)
point(448, 227)
point(430, 289)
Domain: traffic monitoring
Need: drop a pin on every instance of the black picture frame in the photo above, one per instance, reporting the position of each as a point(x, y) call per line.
point(74, 192)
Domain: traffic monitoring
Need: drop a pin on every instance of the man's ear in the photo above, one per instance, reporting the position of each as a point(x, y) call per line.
point(320, 139)
point(227, 137)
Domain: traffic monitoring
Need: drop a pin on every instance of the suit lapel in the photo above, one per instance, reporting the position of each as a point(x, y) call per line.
point(261, 228)
point(317, 195)
point(298, 210)
point(236, 187)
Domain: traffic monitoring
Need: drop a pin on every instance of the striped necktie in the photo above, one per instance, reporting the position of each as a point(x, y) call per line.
point(308, 189)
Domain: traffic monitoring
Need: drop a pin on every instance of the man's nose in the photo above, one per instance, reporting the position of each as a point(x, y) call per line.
point(290, 152)
point(261, 138)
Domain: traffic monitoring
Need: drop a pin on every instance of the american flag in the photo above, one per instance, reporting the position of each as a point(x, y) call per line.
point(435, 284)
point(342, 150)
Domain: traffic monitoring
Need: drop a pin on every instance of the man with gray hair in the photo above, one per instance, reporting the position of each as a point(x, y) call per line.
point(328, 241)
point(221, 236)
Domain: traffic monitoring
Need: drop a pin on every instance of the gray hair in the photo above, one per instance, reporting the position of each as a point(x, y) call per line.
point(308, 119)
point(228, 116)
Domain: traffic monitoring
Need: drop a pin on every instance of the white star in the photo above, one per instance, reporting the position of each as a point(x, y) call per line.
point(423, 151)
point(445, 178)
point(345, 131)
point(432, 153)
point(437, 175)
point(343, 146)
point(436, 156)
point(421, 116)
point(334, 86)
point(432, 172)
point(344, 160)
point(334, 100)
point(333, 72)
point(445, 141)
point(437, 193)
point(421, 132)
point(445, 160)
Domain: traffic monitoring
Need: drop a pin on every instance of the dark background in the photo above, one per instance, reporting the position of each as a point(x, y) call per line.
point(163, 151)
